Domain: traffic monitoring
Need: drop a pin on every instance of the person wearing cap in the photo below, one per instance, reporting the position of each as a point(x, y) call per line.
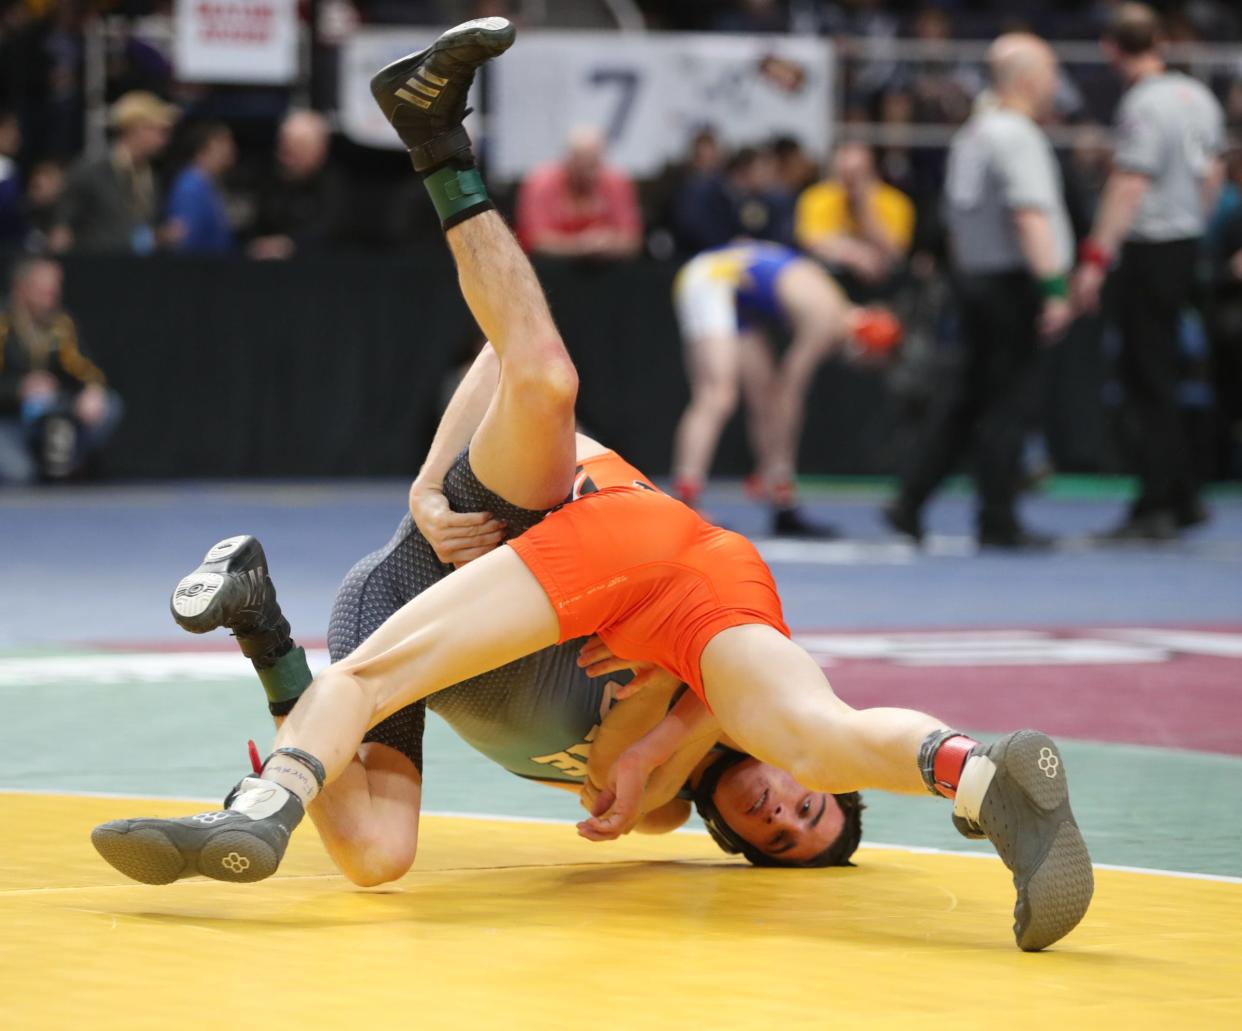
point(1166, 173)
point(110, 203)
point(1011, 249)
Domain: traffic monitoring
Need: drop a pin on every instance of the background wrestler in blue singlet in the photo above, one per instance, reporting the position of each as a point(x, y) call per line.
point(727, 300)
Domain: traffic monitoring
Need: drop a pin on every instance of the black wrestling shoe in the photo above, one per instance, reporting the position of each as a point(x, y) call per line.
point(231, 588)
point(243, 843)
point(1191, 514)
point(790, 522)
point(423, 96)
point(1014, 793)
point(1016, 539)
point(903, 520)
point(1149, 527)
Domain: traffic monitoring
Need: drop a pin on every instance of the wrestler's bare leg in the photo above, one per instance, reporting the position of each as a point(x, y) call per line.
point(492, 612)
point(524, 448)
point(816, 309)
point(772, 698)
point(368, 817)
point(488, 613)
point(712, 368)
point(757, 372)
point(524, 451)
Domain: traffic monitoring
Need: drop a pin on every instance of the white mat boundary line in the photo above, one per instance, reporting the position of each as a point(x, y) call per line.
point(550, 820)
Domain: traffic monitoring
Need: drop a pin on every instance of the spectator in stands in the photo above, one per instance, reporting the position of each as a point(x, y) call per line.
point(55, 409)
point(42, 202)
point(748, 200)
point(765, 208)
point(704, 214)
point(200, 223)
point(682, 188)
point(753, 16)
point(303, 204)
point(109, 203)
point(795, 168)
point(10, 181)
point(855, 223)
point(579, 207)
point(942, 87)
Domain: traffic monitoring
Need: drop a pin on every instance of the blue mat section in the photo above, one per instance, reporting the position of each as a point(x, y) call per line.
point(82, 564)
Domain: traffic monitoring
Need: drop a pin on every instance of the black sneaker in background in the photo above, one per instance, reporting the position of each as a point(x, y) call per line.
point(791, 522)
point(903, 520)
point(1016, 539)
point(1150, 527)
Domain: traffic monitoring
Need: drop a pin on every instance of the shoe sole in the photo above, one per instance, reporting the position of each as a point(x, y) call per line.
point(195, 594)
point(1058, 891)
point(149, 855)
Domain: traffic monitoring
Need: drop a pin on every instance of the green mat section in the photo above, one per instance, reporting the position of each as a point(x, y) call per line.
point(1138, 806)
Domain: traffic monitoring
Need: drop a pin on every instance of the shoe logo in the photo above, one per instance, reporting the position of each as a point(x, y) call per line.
point(236, 862)
point(427, 83)
point(432, 77)
point(410, 98)
point(415, 83)
point(196, 588)
point(1049, 762)
point(210, 818)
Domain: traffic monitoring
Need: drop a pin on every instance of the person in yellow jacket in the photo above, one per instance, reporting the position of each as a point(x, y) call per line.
point(55, 406)
point(854, 222)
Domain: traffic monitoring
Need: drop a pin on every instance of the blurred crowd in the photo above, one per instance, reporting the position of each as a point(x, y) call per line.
point(227, 169)
point(234, 170)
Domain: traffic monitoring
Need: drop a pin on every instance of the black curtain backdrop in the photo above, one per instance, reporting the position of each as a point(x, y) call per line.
point(339, 366)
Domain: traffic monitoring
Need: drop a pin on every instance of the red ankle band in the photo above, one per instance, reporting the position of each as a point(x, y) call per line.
point(949, 760)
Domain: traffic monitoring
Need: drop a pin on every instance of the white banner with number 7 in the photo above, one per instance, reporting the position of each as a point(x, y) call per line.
point(649, 93)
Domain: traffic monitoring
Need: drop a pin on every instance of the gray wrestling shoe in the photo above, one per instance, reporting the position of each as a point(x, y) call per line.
point(423, 96)
point(1014, 793)
point(243, 843)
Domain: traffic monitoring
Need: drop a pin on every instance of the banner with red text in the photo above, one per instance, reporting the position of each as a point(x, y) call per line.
point(241, 41)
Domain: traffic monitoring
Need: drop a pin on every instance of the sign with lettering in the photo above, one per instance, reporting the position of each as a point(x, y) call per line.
point(242, 41)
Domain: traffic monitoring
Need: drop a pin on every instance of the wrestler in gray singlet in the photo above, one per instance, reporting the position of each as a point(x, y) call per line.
point(535, 717)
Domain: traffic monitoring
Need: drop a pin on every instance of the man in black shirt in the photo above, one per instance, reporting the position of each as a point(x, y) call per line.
point(301, 205)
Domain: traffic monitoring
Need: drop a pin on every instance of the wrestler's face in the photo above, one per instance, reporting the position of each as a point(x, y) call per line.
point(775, 813)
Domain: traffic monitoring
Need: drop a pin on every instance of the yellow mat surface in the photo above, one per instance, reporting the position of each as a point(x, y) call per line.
point(523, 925)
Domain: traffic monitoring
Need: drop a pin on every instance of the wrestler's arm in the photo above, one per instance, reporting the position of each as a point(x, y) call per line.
point(461, 418)
point(627, 722)
point(688, 727)
point(458, 537)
